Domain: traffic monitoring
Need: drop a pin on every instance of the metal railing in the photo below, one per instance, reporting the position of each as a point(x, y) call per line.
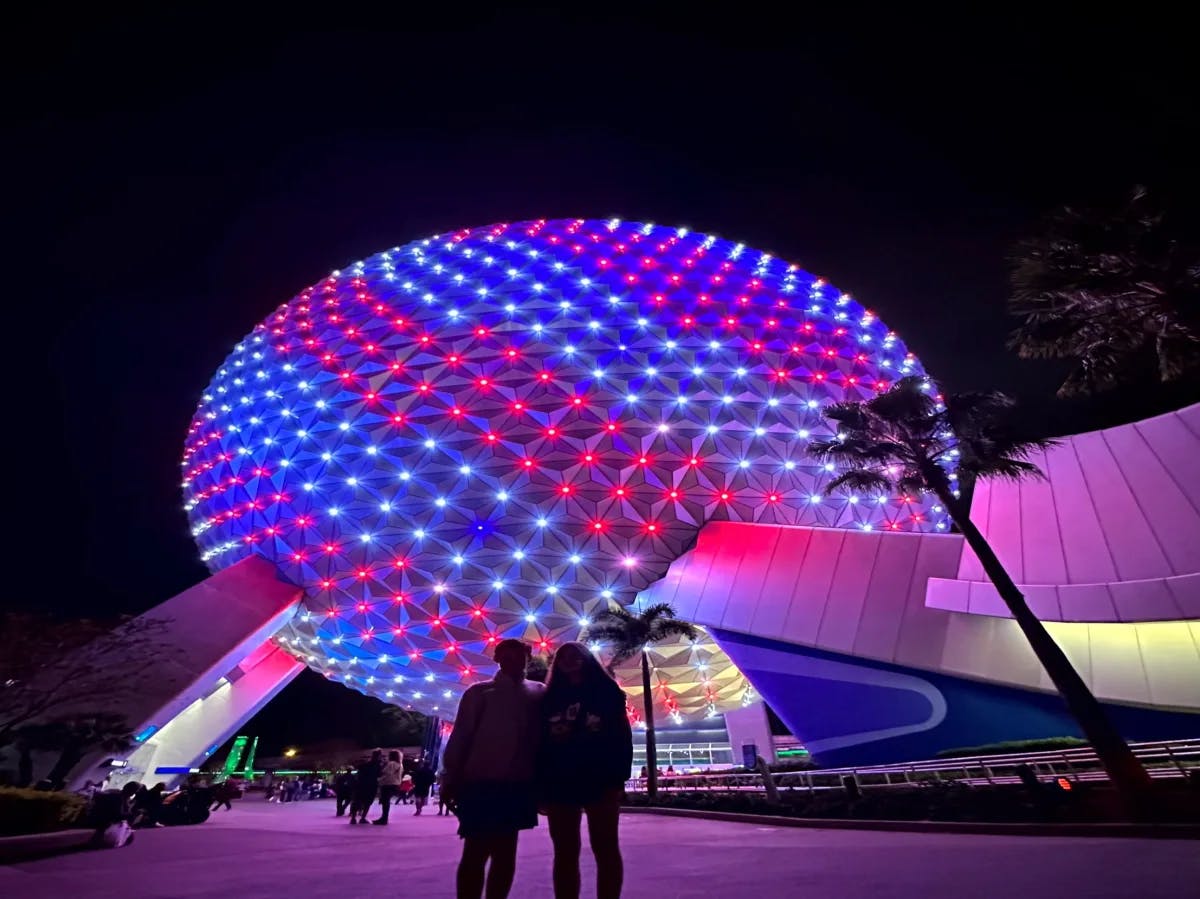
point(1162, 760)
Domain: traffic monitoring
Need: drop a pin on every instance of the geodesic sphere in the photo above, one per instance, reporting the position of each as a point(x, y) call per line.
point(500, 431)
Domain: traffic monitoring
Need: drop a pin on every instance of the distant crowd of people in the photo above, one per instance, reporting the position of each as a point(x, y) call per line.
point(295, 788)
point(384, 779)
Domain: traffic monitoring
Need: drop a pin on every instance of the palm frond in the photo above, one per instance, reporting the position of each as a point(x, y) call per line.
point(1115, 290)
point(848, 414)
point(654, 612)
point(623, 654)
point(912, 483)
point(863, 480)
point(908, 400)
point(1001, 468)
point(627, 633)
point(667, 628)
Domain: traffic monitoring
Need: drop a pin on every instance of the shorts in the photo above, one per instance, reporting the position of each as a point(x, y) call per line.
point(490, 809)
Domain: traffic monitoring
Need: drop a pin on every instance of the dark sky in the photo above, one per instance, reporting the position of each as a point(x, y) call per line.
point(173, 178)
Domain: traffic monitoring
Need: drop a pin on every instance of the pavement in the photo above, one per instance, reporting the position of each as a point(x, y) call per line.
point(301, 851)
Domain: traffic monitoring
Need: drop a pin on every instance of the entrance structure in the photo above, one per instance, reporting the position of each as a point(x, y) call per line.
point(501, 431)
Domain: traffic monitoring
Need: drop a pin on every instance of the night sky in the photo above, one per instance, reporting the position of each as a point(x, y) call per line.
point(174, 178)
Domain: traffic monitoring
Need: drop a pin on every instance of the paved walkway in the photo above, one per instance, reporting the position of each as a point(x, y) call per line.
point(300, 851)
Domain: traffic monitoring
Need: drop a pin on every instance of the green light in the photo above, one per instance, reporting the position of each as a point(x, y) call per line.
point(235, 756)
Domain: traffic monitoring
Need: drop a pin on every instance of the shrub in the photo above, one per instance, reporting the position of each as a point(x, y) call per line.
point(1044, 744)
point(38, 811)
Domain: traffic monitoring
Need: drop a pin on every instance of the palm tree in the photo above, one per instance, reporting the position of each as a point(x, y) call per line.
point(901, 440)
point(1116, 292)
point(629, 634)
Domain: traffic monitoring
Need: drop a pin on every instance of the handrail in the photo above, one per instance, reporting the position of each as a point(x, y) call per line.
point(1176, 758)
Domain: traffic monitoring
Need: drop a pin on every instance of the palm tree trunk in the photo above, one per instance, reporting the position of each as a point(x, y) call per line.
point(1127, 774)
point(70, 756)
point(651, 747)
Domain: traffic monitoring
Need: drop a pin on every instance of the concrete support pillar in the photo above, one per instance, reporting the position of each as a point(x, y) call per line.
point(749, 725)
point(186, 674)
point(189, 738)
